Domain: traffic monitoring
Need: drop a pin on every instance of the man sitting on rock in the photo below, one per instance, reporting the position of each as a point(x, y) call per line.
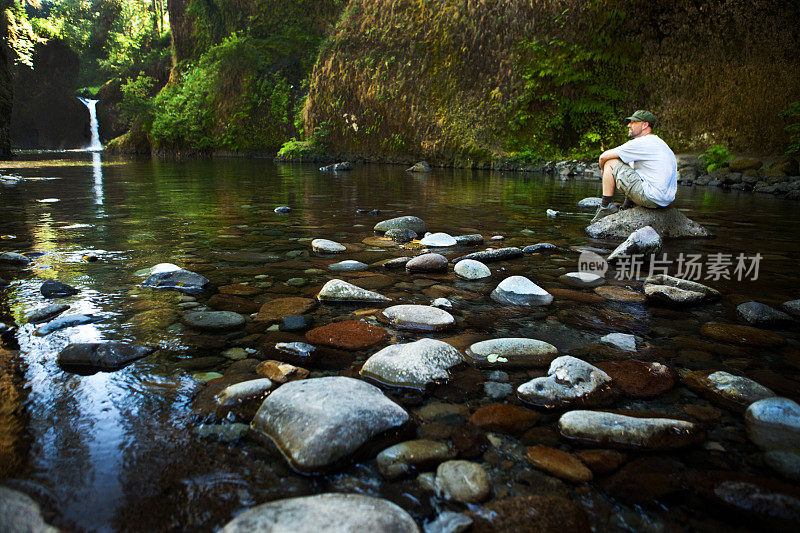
point(651, 181)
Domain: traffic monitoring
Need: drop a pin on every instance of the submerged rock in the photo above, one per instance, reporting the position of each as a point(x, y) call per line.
point(14, 259)
point(792, 307)
point(319, 422)
point(541, 248)
point(401, 235)
point(758, 314)
point(542, 513)
point(325, 246)
point(56, 289)
point(282, 209)
point(415, 224)
point(280, 308)
point(337, 290)
point(559, 463)
point(213, 320)
point(440, 240)
point(348, 334)
point(402, 458)
point(280, 372)
point(252, 389)
point(733, 392)
point(582, 280)
point(348, 266)
point(644, 241)
point(101, 355)
point(345, 513)
point(46, 313)
point(639, 379)
point(669, 223)
point(418, 317)
point(463, 481)
point(598, 428)
point(511, 352)
point(569, 382)
point(623, 341)
point(504, 418)
point(473, 239)
point(178, 280)
point(422, 166)
point(742, 334)
point(774, 424)
point(519, 290)
point(489, 256)
point(413, 365)
point(449, 522)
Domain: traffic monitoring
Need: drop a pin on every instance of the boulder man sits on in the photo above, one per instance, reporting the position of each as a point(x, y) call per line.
point(651, 180)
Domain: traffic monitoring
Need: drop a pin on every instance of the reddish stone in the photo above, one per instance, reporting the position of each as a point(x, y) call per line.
point(540, 513)
point(504, 418)
point(274, 310)
point(558, 463)
point(638, 378)
point(602, 461)
point(348, 334)
point(239, 289)
point(619, 294)
point(647, 479)
point(738, 334)
point(228, 302)
point(577, 296)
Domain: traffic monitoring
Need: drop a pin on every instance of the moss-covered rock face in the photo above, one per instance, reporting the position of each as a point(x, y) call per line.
point(470, 81)
point(46, 114)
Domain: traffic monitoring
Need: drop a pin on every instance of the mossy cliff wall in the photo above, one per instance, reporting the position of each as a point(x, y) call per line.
point(472, 80)
point(6, 84)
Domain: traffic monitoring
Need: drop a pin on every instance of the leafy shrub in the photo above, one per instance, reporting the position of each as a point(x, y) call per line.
point(792, 114)
point(716, 157)
point(136, 100)
point(294, 150)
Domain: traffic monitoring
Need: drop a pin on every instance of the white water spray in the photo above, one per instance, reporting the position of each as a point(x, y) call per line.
point(94, 145)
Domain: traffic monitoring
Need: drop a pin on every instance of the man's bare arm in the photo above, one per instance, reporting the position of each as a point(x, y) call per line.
point(605, 156)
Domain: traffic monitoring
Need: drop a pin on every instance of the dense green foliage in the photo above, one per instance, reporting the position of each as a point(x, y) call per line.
point(717, 156)
point(792, 115)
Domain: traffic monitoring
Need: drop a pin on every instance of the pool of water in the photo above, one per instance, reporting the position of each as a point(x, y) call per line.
point(120, 450)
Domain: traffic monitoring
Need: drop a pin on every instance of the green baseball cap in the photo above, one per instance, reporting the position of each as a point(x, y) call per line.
point(642, 116)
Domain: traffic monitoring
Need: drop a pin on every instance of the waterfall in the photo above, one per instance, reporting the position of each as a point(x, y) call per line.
point(94, 145)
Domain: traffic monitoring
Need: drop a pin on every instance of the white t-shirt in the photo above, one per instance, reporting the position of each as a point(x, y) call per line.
point(655, 163)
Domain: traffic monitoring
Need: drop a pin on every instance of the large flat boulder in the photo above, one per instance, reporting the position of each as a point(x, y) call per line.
point(667, 222)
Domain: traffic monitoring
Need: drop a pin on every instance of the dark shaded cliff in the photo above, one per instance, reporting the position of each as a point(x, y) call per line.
point(6, 85)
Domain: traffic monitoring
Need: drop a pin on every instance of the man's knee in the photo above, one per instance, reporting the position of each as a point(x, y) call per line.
point(611, 165)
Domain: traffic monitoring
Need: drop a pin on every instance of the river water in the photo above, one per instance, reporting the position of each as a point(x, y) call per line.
point(119, 450)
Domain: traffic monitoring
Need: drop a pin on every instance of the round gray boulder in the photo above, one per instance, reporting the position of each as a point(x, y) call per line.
point(413, 365)
point(519, 290)
point(415, 224)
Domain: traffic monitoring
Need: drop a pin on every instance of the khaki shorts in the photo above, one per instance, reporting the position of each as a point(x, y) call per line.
point(630, 182)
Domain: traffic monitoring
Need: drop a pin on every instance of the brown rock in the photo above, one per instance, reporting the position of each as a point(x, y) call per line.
point(540, 435)
point(239, 289)
point(280, 372)
point(638, 378)
point(559, 463)
point(738, 334)
point(274, 310)
point(504, 418)
point(373, 282)
point(602, 461)
point(427, 263)
point(647, 479)
point(576, 296)
point(619, 294)
point(740, 164)
point(469, 441)
point(539, 513)
point(229, 302)
point(319, 357)
point(348, 334)
point(604, 320)
point(703, 413)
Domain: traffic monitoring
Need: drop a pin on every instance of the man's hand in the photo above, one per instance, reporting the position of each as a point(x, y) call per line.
point(605, 156)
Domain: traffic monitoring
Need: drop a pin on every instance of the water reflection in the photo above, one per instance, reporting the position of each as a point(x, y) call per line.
point(97, 173)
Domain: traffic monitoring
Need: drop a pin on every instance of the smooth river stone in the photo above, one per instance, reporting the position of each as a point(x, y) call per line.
point(440, 240)
point(280, 372)
point(415, 224)
point(616, 293)
point(413, 365)
point(245, 391)
point(348, 266)
point(620, 431)
point(280, 308)
point(319, 422)
point(427, 263)
point(19, 513)
point(511, 352)
point(738, 334)
point(591, 202)
point(773, 424)
point(337, 290)
point(473, 239)
point(519, 290)
point(676, 291)
point(729, 391)
point(348, 334)
point(504, 418)
point(178, 280)
point(471, 269)
point(46, 313)
point(623, 341)
point(325, 246)
point(102, 356)
point(418, 317)
point(56, 289)
point(15, 259)
point(792, 307)
point(758, 314)
point(213, 320)
point(644, 241)
point(63, 322)
point(345, 513)
point(463, 481)
point(558, 463)
point(401, 235)
point(569, 381)
point(402, 458)
point(229, 302)
point(581, 280)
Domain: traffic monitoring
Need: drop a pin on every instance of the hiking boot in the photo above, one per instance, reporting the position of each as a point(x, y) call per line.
point(627, 204)
point(610, 209)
